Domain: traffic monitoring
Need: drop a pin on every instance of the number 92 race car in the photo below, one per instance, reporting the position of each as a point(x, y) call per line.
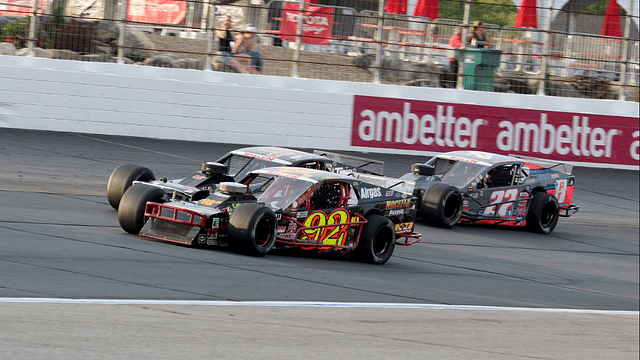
point(285, 207)
point(485, 188)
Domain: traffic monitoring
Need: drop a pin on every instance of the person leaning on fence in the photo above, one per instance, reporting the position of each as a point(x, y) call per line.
point(226, 37)
point(244, 47)
point(477, 38)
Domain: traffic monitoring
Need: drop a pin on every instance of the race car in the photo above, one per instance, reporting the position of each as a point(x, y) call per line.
point(284, 207)
point(486, 188)
point(234, 166)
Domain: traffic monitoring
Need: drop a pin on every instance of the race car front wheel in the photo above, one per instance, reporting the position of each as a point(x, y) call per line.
point(252, 228)
point(121, 179)
point(543, 213)
point(377, 241)
point(441, 205)
point(133, 203)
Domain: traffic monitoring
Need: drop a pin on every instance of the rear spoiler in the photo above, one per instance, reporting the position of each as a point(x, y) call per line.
point(547, 164)
point(368, 166)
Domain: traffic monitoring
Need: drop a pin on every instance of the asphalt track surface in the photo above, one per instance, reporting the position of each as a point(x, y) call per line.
point(72, 283)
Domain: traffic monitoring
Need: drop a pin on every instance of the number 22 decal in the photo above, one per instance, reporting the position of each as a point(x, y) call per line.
point(500, 196)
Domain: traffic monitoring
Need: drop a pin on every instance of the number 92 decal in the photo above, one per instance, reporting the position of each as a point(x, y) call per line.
point(328, 229)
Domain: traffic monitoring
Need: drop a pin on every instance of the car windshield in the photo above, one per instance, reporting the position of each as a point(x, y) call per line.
point(282, 191)
point(456, 173)
point(240, 166)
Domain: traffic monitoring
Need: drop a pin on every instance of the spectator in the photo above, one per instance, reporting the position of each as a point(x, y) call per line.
point(225, 46)
point(477, 38)
point(244, 47)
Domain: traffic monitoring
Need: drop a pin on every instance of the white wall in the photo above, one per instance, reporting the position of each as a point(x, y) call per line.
point(112, 99)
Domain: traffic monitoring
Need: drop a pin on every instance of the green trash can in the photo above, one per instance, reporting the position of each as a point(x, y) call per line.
point(479, 67)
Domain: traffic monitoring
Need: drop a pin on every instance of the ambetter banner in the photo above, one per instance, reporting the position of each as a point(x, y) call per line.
point(316, 23)
point(157, 11)
point(440, 127)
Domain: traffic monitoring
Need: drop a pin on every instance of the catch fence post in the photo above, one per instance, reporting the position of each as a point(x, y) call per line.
point(545, 50)
point(32, 28)
point(122, 16)
point(378, 44)
point(463, 43)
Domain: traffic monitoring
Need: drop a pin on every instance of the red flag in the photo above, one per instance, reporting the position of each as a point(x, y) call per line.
point(396, 7)
point(611, 21)
point(527, 14)
point(427, 8)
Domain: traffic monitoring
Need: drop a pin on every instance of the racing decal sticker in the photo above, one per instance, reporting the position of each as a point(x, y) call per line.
point(561, 190)
point(210, 202)
point(370, 193)
point(327, 235)
point(396, 212)
point(404, 228)
point(498, 197)
point(398, 204)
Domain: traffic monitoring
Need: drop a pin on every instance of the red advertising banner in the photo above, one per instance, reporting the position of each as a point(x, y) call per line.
point(316, 23)
point(440, 127)
point(20, 7)
point(157, 11)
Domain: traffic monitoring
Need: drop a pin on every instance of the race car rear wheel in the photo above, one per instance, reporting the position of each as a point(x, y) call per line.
point(377, 241)
point(252, 229)
point(441, 205)
point(121, 179)
point(133, 203)
point(543, 213)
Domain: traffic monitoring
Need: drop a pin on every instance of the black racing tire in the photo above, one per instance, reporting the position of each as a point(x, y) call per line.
point(441, 205)
point(252, 229)
point(377, 241)
point(543, 213)
point(122, 178)
point(133, 203)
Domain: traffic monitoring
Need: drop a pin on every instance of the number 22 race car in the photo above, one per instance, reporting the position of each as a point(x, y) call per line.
point(480, 187)
point(284, 207)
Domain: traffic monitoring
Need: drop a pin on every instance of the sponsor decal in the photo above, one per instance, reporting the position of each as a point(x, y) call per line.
point(210, 202)
point(346, 171)
point(370, 193)
point(561, 190)
point(396, 212)
point(438, 127)
point(398, 204)
point(404, 228)
point(388, 193)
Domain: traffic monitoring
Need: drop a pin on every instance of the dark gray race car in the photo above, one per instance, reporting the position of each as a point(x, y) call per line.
point(480, 187)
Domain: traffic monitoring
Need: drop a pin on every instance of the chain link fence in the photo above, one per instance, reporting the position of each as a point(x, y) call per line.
point(571, 48)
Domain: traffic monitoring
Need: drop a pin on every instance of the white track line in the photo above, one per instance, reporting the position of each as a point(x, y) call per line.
point(308, 304)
